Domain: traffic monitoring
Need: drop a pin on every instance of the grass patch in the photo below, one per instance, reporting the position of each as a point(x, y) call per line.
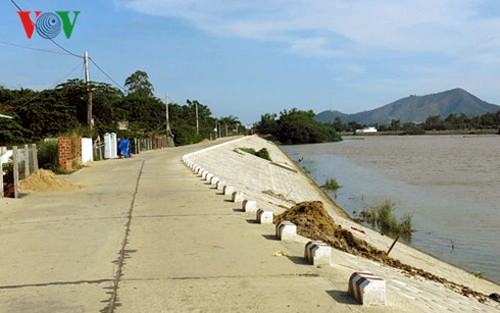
point(382, 217)
point(480, 275)
point(262, 153)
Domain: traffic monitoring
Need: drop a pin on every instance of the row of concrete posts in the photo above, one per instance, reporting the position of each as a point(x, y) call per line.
point(365, 287)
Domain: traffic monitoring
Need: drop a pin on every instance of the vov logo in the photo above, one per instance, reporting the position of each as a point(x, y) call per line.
point(48, 25)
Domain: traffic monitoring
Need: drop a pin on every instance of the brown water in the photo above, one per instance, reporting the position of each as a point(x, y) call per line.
point(449, 184)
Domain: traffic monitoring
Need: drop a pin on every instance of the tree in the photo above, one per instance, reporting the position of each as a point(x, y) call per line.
point(434, 122)
point(337, 124)
point(297, 127)
point(267, 124)
point(395, 124)
point(229, 125)
point(138, 83)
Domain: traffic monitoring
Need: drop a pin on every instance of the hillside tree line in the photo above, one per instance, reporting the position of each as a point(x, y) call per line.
point(63, 111)
point(453, 122)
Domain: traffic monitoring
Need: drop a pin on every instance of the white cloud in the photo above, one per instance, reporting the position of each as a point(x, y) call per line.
point(444, 26)
point(371, 46)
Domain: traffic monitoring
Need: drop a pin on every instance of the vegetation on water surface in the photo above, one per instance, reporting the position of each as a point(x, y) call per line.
point(382, 217)
point(331, 184)
point(262, 153)
point(296, 127)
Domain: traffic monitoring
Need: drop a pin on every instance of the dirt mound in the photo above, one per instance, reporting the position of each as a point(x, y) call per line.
point(314, 222)
point(46, 180)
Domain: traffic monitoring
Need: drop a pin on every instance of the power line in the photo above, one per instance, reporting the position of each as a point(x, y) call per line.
point(67, 51)
point(52, 40)
point(54, 85)
point(31, 48)
point(106, 74)
point(18, 7)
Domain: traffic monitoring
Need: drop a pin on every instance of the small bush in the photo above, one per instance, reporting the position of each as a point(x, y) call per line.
point(48, 156)
point(331, 184)
point(480, 275)
point(8, 169)
point(262, 153)
point(382, 217)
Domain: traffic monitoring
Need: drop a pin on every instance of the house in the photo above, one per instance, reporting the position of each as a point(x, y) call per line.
point(366, 130)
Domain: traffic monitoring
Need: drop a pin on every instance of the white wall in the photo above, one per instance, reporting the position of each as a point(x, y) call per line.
point(87, 151)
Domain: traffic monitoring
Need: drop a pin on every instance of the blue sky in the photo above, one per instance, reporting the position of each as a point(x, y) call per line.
point(247, 58)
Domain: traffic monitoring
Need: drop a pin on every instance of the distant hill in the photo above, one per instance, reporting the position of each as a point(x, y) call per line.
point(418, 108)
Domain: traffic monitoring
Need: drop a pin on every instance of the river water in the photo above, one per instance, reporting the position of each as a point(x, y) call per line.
point(449, 184)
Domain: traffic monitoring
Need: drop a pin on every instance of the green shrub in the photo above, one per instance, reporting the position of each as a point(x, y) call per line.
point(262, 153)
point(48, 155)
point(382, 217)
point(8, 169)
point(331, 184)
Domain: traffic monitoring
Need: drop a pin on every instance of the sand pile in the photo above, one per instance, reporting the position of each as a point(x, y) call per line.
point(314, 222)
point(46, 180)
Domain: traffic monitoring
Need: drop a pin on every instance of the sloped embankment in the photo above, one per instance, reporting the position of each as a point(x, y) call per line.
point(314, 222)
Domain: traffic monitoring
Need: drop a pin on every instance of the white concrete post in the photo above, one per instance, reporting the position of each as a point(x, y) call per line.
point(249, 206)
point(317, 252)
point(237, 197)
point(264, 217)
point(228, 190)
point(220, 185)
point(367, 289)
point(286, 231)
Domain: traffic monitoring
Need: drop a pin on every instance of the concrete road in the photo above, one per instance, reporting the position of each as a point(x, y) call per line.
point(147, 235)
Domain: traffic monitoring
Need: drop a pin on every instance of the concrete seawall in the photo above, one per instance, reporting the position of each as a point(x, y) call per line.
point(147, 234)
point(279, 184)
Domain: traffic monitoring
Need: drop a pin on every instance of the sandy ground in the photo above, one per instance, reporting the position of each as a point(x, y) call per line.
point(147, 235)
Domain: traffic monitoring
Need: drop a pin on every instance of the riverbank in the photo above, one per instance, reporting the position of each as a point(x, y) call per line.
point(147, 235)
point(464, 132)
point(259, 179)
point(448, 184)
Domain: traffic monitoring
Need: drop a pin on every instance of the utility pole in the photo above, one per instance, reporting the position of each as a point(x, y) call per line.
point(197, 122)
point(89, 91)
point(170, 136)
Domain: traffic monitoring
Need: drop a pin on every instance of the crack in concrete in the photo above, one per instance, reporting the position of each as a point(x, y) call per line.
point(124, 253)
point(181, 215)
point(292, 275)
point(66, 220)
point(57, 283)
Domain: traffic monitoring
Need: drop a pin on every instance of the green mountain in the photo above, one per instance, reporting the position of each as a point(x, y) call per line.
point(417, 108)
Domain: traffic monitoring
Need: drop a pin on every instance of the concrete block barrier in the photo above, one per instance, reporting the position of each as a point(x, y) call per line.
point(228, 190)
point(237, 197)
point(286, 231)
point(220, 185)
point(264, 217)
point(205, 174)
point(249, 206)
point(209, 177)
point(214, 180)
point(367, 288)
point(317, 252)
